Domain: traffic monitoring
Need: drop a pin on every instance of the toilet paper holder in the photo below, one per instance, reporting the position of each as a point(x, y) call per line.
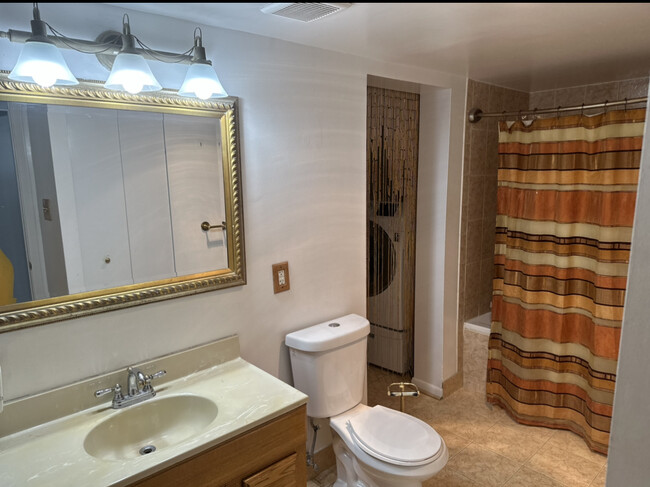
point(399, 389)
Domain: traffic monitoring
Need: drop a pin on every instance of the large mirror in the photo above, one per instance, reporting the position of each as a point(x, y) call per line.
point(110, 200)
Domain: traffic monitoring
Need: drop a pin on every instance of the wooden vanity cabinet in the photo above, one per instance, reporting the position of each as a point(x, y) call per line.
point(271, 455)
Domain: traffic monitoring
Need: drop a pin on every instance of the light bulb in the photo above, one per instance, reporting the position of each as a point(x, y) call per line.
point(131, 73)
point(133, 85)
point(202, 81)
point(44, 74)
point(203, 92)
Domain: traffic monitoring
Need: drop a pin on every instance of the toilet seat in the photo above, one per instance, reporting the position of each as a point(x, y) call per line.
point(381, 469)
point(394, 437)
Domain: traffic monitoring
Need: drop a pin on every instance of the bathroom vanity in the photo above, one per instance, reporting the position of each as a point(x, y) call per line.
point(215, 420)
point(270, 455)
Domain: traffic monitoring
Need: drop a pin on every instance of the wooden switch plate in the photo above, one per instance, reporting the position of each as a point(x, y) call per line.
point(281, 277)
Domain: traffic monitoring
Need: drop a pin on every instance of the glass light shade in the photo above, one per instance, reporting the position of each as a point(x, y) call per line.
point(131, 73)
point(42, 63)
point(202, 82)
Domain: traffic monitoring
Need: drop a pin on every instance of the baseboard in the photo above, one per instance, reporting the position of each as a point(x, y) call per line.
point(427, 388)
point(454, 383)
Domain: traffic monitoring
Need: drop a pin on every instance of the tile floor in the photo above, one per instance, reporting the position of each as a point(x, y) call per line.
point(487, 448)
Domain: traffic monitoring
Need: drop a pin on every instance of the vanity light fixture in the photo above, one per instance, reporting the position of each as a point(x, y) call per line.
point(124, 54)
point(201, 79)
point(130, 71)
point(40, 61)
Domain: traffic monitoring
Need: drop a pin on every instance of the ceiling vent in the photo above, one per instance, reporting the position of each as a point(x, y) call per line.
point(305, 12)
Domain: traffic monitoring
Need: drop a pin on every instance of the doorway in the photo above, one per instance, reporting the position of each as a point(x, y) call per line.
point(392, 145)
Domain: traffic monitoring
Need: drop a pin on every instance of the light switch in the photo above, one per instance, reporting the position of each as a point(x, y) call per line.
point(281, 277)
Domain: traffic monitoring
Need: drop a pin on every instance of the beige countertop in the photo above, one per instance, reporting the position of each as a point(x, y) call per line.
point(53, 454)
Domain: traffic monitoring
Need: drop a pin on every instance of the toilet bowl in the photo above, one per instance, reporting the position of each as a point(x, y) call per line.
point(385, 448)
point(374, 446)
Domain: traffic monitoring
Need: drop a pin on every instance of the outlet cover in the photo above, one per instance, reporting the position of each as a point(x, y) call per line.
point(281, 277)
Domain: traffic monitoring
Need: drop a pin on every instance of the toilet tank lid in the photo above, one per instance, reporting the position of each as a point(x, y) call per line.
point(329, 334)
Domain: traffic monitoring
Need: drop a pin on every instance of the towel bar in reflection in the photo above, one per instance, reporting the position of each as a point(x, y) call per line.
point(205, 226)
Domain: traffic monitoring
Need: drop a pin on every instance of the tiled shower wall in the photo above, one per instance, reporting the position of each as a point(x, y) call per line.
point(480, 203)
point(587, 94)
point(480, 196)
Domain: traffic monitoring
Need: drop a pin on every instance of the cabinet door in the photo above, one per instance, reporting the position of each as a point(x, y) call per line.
point(280, 474)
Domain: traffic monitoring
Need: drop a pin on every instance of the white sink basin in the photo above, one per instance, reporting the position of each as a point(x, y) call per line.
point(150, 426)
point(99, 446)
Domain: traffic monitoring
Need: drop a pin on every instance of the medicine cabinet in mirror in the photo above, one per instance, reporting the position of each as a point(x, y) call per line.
point(110, 200)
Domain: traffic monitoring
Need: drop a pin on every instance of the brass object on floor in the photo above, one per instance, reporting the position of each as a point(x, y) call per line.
point(399, 389)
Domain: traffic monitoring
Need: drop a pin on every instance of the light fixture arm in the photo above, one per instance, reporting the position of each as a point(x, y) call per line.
point(89, 47)
point(92, 47)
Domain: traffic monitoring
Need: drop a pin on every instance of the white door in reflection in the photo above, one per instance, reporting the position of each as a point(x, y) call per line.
point(196, 192)
point(126, 192)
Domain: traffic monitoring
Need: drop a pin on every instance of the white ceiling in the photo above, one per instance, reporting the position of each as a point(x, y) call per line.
point(524, 46)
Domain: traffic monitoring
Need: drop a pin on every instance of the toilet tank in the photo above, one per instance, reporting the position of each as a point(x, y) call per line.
point(328, 361)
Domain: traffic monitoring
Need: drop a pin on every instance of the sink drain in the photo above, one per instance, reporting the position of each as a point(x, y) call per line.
point(145, 450)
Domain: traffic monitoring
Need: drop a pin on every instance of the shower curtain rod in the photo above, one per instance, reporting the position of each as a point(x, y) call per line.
point(476, 114)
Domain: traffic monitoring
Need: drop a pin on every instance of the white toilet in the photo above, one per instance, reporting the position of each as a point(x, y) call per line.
point(374, 447)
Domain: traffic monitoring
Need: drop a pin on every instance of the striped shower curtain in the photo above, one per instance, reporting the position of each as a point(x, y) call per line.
point(566, 199)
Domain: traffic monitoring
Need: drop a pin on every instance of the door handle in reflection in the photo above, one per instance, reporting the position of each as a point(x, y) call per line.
point(205, 226)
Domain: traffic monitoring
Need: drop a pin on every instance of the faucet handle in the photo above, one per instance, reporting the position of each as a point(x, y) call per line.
point(117, 389)
point(149, 378)
point(157, 375)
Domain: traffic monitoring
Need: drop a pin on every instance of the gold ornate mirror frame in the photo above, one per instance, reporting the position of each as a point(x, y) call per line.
point(92, 94)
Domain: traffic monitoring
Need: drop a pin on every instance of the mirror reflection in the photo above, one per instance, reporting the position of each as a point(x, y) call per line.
point(95, 198)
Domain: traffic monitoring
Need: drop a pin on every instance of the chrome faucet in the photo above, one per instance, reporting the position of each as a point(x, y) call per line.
point(135, 381)
point(138, 385)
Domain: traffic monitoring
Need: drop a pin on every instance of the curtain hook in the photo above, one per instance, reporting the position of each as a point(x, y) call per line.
point(582, 110)
point(625, 106)
point(606, 102)
point(557, 111)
